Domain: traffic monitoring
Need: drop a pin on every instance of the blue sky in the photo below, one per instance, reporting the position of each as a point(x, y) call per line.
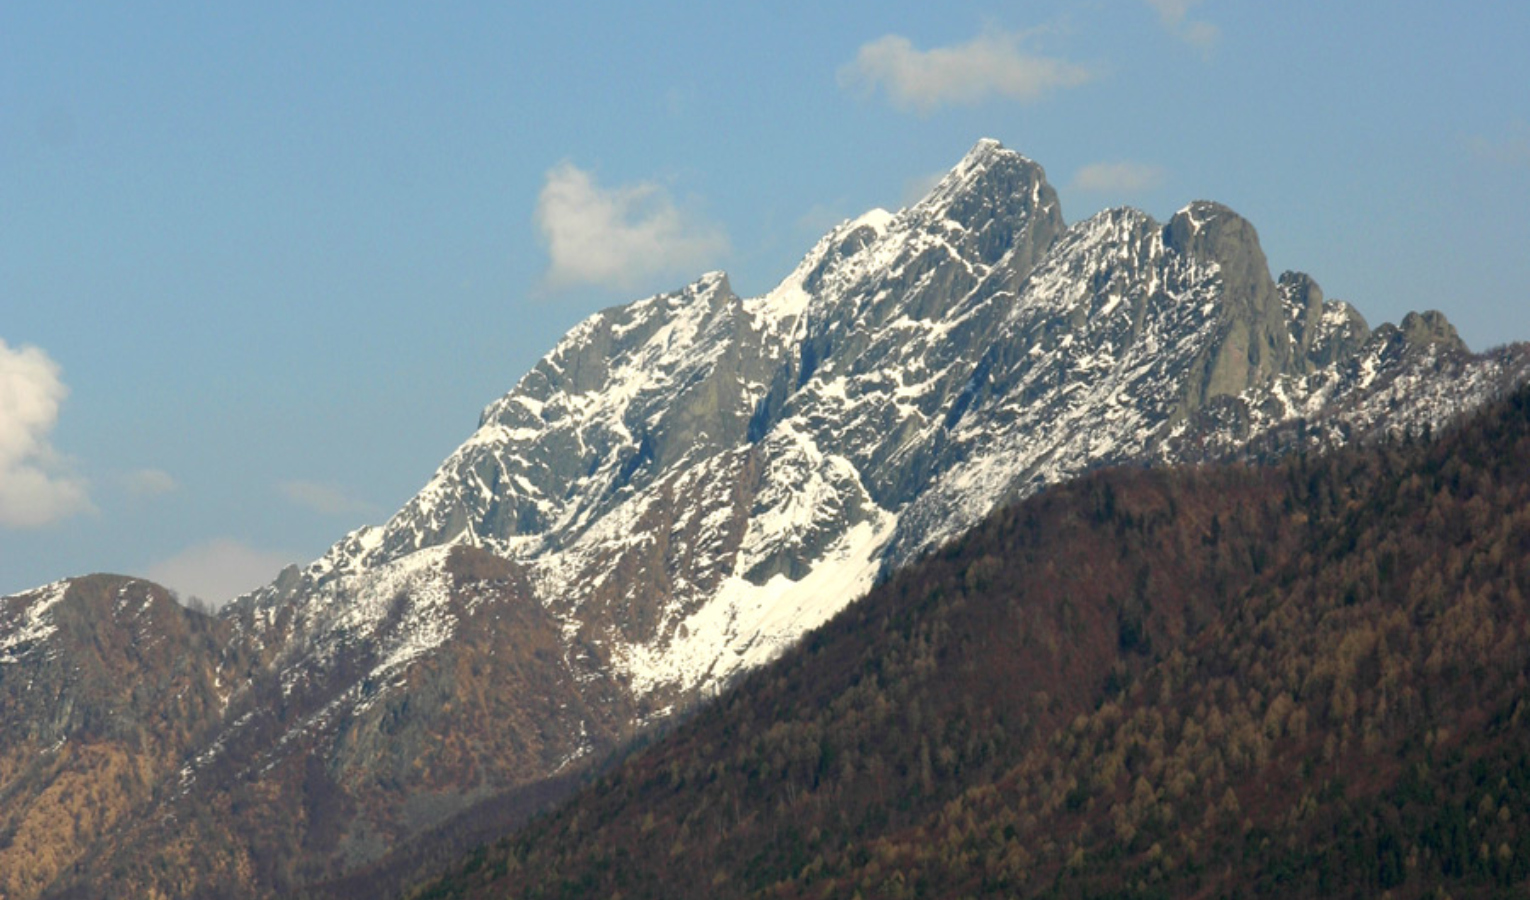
point(261, 265)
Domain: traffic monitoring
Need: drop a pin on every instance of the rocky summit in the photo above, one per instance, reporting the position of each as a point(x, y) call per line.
point(676, 493)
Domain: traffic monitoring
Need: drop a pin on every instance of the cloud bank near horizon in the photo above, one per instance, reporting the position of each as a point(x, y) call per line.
point(219, 570)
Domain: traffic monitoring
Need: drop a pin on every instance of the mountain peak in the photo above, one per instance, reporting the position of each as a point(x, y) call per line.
point(985, 148)
point(1000, 199)
point(679, 490)
point(1206, 221)
point(710, 282)
point(1431, 327)
point(988, 168)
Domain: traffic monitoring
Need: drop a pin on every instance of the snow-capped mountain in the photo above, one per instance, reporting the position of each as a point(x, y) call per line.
point(687, 484)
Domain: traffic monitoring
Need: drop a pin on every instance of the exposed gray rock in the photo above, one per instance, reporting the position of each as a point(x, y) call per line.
point(1431, 327)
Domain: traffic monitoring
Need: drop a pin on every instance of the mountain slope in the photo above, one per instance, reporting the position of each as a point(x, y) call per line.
point(1306, 680)
point(687, 484)
point(105, 684)
point(670, 459)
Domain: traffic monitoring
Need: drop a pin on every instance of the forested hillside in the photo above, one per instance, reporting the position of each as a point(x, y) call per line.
point(1302, 680)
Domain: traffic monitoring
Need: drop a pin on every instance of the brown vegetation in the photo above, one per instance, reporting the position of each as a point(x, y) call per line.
point(93, 728)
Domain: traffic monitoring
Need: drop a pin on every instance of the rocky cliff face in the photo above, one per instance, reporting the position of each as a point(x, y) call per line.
point(687, 484)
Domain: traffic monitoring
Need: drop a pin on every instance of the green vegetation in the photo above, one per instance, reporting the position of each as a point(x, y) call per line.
point(1302, 680)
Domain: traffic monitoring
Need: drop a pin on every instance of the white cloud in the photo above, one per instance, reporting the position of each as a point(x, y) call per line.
point(149, 482)
point(1175, 16)
point(219, 570)
point(36, 487)
point(1118, 177)
point(618, 237)
point(993, 64)
point(325, 499)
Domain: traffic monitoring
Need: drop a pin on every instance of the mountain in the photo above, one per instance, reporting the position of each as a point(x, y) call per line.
point(1295, 681)
point(676, 493)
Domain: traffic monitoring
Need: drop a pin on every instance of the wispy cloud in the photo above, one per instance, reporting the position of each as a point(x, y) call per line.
point(1118, 177)
point(920, 186)
point(149, 482)
point(1175, 15)
point(1510, 149)
point(620, 236)
point(219, 570)
point(994, 64)
point(821, 218)
point(322, 498)
point(36, 486)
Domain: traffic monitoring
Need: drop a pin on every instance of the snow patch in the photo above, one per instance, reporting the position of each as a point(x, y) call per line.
point(27, 620)
point(747, 625)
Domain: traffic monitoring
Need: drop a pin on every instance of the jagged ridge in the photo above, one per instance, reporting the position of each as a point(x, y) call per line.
point(687, 483)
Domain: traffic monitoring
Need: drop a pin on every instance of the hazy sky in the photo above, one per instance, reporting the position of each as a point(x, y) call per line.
point(262, 264)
